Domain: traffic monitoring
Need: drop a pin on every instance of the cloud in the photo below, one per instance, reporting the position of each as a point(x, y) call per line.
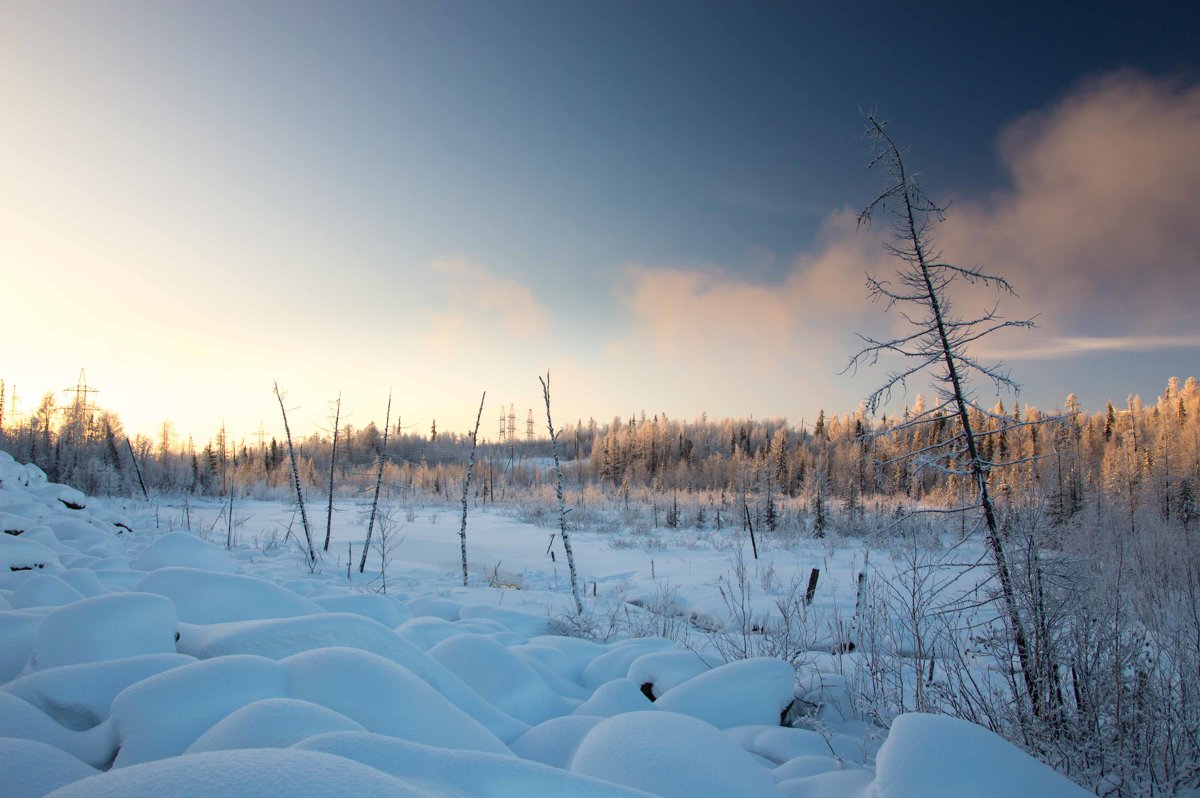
point(1098, 230)
point(470, 302)
point(1066, 347)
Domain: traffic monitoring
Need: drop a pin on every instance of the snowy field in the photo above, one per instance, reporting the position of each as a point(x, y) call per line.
point(140, 656)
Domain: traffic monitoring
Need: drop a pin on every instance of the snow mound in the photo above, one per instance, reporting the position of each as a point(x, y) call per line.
point(80, 696)
point(613, 698)
point(272, 723)
point(385, 699)
point(521, 623)
point(161, 716)
point(32, 768)
point(666, 669)
point(967, 760)
point(17, 630)
point(85, 581)
point(18, 554)
point(671, 755)
point(62, 494)
point(426, 632)
point(384, 609)
point(749, 691)
point(614, 663)
point(205, 596)
point(835, 784)
point(256, 771)
point(43, 590)
point(445, 772)
point(182, 549)
point(107, 627)
point(501, 678)
point(554, 742)
point(19, 719)
point(434, 606)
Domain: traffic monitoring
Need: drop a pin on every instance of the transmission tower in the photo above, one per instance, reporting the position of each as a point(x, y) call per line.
point(529, 425)
point(503, 419)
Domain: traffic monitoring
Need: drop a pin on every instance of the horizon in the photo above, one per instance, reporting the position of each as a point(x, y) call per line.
point(656, 204)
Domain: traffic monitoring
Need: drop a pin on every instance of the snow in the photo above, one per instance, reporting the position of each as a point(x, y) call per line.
point(182, 549)
point(33, 768)
point(175, 667)
point(447, 772)
point(106, 627)
point(272, 723)
point(555, 741)
point(739, 693)
point(966, 759)
point(647, 746)
point(81, 696)
point(202, 596)
point(255, 771)
point(501, 678)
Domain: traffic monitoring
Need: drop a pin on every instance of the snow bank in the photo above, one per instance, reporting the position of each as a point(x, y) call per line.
point(935, 756)
point(205, 596)
point(103, 628)
point(671, 755)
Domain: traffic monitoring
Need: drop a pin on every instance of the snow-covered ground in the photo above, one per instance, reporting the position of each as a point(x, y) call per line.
point(138, 656)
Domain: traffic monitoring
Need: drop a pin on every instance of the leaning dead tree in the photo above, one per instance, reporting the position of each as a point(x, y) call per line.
point(337, 417)
point(938, 348)
point(462, 530)
point(312, 554)
point(562, 505)
point(387, 423)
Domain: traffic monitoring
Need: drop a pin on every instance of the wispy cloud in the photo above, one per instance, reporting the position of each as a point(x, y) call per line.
point(1071, 346)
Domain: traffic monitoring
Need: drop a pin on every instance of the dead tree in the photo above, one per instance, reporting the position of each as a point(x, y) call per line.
point(312, 554)
point(337, 417)
point(387, 423)
point(462, 530)
point(562, 505)
point(938, 348)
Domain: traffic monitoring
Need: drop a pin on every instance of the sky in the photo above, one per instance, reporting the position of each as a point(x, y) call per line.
point(655, 202)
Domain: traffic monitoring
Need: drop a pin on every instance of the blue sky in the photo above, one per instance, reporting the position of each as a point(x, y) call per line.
point(650, 199)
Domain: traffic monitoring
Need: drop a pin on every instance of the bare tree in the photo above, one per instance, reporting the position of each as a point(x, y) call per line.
point(462, 530)
point(558, 489)
point(337, 417)
point(387, 424)
point(938, 348)
point(312, 554)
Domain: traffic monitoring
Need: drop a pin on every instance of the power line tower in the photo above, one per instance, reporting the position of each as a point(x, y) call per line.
point(503, 419)
point(261, 435)
point(529, 425)
point(79, 420)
